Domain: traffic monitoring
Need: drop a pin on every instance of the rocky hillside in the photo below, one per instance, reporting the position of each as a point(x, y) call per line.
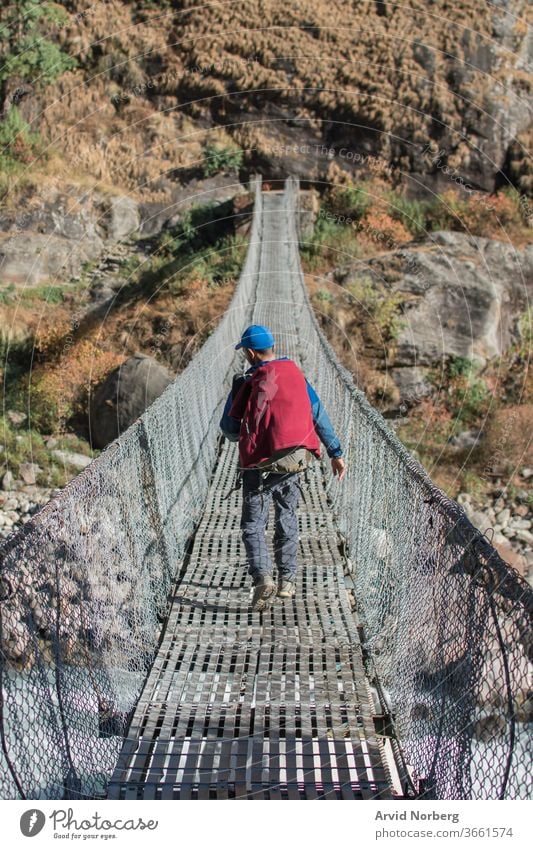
point(146, 85)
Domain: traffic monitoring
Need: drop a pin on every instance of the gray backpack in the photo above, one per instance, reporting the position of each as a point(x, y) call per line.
point(287, 460)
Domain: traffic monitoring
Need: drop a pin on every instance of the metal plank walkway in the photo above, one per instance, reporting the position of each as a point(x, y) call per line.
point(257, 706)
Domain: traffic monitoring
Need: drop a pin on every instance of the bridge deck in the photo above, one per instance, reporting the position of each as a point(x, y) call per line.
point(247, 705)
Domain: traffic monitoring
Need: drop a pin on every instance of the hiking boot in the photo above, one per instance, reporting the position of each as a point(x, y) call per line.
point(286, 589)
point(264, 592)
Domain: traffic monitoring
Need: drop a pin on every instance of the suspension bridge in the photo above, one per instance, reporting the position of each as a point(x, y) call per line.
point(133, 668)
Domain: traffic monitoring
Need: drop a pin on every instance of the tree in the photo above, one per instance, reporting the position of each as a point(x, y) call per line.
point(25, 48)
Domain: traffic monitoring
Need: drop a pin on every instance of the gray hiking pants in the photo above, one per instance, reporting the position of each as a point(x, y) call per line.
point(257, 493)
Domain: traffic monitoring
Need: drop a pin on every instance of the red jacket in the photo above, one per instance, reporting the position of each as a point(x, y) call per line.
point(275, 413)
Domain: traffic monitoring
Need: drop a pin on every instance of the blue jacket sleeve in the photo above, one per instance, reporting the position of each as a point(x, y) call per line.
point(230, 426)
point(323, 426)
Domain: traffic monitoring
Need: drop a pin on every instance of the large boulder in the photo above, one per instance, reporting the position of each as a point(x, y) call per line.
point(50, 242)
point(29, 258)
point(461, 296)
point(124, 396)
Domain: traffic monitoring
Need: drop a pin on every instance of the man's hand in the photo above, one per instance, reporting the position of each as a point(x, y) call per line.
point(339, 468)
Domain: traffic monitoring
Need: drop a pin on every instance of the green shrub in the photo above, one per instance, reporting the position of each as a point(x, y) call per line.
point(331, 244)
point(349, 201)
point(17, 142)
point(460, 366)
point(217, 265)
point(50, 294)
point(45, 406)
point(202, 246)
point(7, 295)
point(380, 309)
point(217, 159)
point(25, 49)
point(411, 213)
point(228, 259)
point(469, 399)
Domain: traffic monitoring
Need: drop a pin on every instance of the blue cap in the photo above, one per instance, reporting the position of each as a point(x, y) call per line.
point(256, 337)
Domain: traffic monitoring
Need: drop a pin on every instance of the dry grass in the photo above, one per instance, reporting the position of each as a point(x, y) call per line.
point(508, 441)
point(335, 61)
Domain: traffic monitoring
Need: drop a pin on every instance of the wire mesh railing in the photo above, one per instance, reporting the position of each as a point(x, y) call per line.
point(84, 583)
point(447, 622)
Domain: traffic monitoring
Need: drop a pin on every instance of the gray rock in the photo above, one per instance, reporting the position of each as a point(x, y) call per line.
point(308, 208)
point(65, 230)
point(121, 218)
point(503, 516)
point(70, 458)
point(411, 383)
point(7, 480)
point(525, 536)
point(125, 394)
point(30, 259)
point(462, 295)
point(527, 473)
point(29, 472)
point(480, 520)
point(466, 439)
point(499, 539)
point(489, 727)
point(15, 417)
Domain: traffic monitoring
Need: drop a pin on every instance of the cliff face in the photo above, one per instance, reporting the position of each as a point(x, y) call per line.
point(377, 78)
point(435, 90)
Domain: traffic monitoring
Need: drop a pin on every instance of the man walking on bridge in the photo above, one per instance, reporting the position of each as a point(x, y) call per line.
point(277, 418)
